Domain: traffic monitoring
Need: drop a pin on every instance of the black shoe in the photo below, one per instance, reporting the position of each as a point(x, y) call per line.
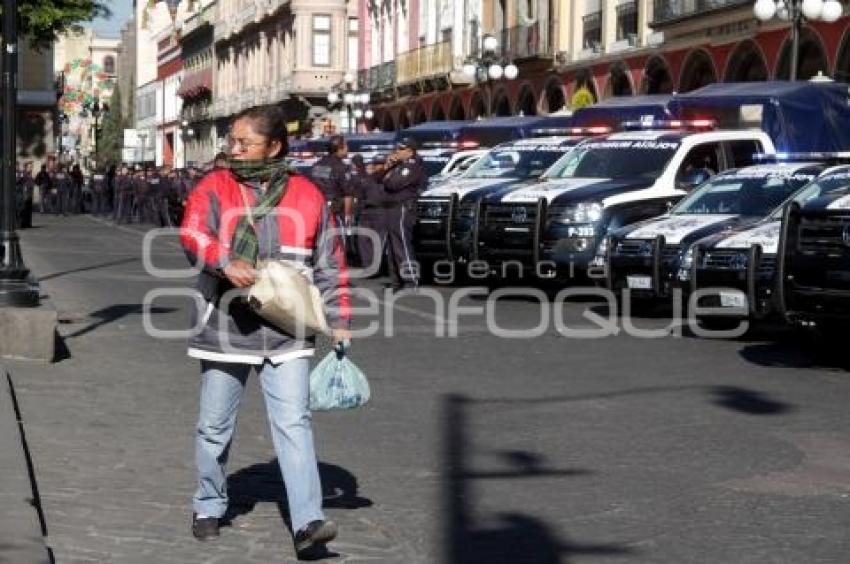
point(205, 528)
point(310, 541)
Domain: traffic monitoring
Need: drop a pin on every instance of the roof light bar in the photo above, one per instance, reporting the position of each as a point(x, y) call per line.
point(690, 124)
point(571, 131)
point(450, 145)
point(801, 156)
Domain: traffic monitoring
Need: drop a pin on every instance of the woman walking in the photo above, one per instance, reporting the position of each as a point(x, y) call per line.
point(289, 220)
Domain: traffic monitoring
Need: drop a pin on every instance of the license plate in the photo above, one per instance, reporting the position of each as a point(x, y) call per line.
point(733, 299)
point(639, 282)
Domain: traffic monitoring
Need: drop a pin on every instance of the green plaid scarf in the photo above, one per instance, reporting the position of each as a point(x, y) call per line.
point(245, 245)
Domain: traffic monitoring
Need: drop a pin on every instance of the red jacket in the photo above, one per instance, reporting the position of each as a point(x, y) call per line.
point(302, 231)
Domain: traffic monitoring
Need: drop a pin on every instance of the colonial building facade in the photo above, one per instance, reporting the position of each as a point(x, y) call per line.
point(290, 52)
point(610, 47)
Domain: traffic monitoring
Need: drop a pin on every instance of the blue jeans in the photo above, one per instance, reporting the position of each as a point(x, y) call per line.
point(286, 391)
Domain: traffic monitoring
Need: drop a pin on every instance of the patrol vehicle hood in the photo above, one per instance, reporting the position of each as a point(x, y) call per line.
point(838, 201)
point(765, 234)
point(568, 191)
point(462, 187)
point(681, 229)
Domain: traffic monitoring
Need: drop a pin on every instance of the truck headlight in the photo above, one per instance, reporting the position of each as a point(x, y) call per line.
point(581, 213)
point(686, 264)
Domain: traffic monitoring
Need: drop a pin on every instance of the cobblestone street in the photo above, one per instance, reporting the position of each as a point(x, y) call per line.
point(474, 449)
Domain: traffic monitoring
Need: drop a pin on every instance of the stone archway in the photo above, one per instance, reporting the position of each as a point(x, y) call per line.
point(554, 97)
point(746, 64)
point(811, 60)
point(584, 79)
point(619, 82)
point(477, 106)
point(403, 119)
point(501, 104)
point(657, 78)
point(526, 102)
point(697, 71)
point(387, 122)
point(456, 109)
point(420, 116)
point(437, 112)
point(842, 60)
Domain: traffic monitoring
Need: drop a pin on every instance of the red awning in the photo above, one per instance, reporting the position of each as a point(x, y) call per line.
point(195, 84)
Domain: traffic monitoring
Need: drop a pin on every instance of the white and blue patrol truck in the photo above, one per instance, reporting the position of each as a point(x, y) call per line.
point(446, 212)
point(554, 227)
point(650, 258)
point(739, 265)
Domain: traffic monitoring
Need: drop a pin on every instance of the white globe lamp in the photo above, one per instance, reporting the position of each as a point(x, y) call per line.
point(764, 9)
point(495, 72)
point(831, 11)
point(812, 9)
point(333, 97)
point(491, 43)
point(511, 71)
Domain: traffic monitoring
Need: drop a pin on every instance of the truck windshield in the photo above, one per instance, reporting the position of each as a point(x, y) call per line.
point(514, 163)
point(740, 194)
point(826, 184)
point(615, 159)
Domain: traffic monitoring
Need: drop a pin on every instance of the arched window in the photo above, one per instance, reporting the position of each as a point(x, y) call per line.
point(109, 64)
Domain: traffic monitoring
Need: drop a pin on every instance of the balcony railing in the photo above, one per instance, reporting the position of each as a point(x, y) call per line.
point(527, 41)
point(424, 62)
point(666, 11)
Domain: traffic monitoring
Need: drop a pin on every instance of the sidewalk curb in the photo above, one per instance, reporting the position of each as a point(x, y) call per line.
point(22, 526)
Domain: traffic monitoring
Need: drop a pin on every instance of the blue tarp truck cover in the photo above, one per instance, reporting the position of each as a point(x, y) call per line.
point(799, 116)
point(611, 112)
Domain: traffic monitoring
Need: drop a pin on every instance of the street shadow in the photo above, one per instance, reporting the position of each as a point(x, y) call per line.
point(88, 268)
point(795, 349)
point(262, 483)
point(114, 313)
point(60, 348)
point(747, 401)
point(518, 538)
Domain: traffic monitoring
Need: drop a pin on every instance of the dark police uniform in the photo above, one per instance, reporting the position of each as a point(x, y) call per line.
point(123, 198)
point(98, 189)
point(402, 184)
point(371, 201)
point(333, 177)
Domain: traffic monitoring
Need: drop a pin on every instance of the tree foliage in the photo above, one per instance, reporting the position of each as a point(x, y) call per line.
point(581, 98)
point(41, 21)
point(112, 134)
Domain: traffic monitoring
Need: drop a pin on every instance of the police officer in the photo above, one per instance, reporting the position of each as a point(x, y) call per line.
point(65, 190)
point(123, 196)
point(371, 200)
point(98, 190)
point(44, 182)
point(333, 177)
point(404, 178)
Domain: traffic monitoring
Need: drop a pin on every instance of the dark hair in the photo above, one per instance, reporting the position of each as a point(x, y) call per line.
point(335, 143)
point(270, 122)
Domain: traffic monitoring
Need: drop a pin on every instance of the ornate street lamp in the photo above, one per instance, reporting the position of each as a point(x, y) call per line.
point(796, 11)
point(16, 288)
point(489, 67)
point(356, 103)
point(97, 110)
